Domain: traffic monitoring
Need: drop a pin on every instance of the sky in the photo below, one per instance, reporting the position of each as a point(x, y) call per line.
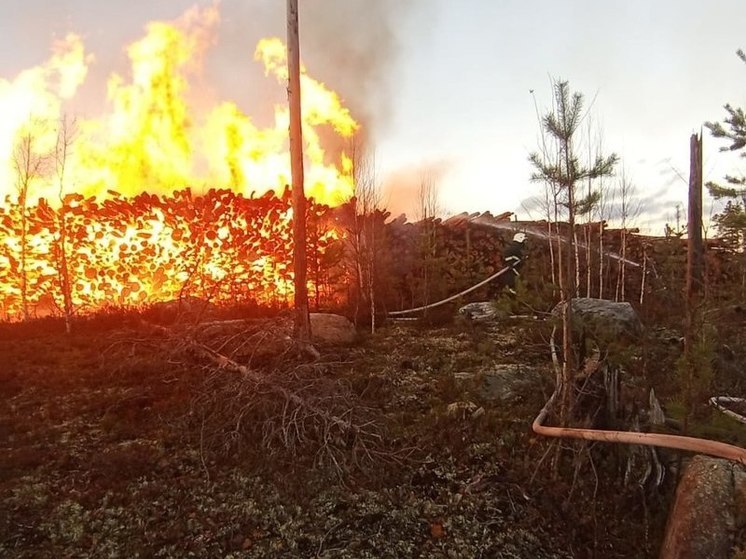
point(450, 91)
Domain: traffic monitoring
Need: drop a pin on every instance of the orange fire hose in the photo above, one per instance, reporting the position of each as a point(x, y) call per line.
point(677, 442)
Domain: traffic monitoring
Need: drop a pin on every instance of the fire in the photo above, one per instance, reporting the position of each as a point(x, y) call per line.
point(130, 251)
point(112, 220)
point(34, 98)
point(242, 153)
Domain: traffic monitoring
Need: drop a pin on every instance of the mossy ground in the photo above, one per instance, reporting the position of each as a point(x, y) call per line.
point(103, 456)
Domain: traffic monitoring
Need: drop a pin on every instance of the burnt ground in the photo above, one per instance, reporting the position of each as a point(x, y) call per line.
point(119, 441)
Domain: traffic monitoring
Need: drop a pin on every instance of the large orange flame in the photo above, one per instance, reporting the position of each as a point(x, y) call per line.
point(111, 220)
point(153, 140)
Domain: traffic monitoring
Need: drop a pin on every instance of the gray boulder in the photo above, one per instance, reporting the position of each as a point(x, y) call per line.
point(332, 329)
point(603, 319)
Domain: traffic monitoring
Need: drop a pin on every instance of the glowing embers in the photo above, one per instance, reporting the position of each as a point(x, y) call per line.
point(132, 251)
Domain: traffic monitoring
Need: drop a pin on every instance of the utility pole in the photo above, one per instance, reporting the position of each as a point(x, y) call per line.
point(302, 325)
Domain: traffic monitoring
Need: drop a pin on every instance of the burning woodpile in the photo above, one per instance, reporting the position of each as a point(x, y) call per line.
point(88, 255)
point(125, 252)
point(103, 211)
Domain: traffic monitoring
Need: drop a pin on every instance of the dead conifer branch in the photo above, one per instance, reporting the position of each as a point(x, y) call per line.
point(288, 407)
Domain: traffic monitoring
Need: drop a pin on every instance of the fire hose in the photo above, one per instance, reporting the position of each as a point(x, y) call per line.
point(677, 442)
point(452, 297)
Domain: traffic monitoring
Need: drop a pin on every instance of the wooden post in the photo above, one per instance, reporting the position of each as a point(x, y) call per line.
point(695, 247)
point(694, 272)
point(302, 318)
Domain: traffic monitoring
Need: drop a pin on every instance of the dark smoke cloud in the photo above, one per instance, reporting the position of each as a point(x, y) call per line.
point(353, 44)
point(350, 45)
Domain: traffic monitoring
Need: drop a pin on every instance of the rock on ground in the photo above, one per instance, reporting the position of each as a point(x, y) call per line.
point(332, 329)
point(710, 498)
point(505, 382)
point(607, 319)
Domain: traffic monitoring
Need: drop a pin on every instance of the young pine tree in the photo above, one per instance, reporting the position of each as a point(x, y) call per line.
point(563, 169)
point(730, 223)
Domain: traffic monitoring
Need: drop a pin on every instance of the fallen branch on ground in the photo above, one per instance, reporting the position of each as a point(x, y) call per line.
point(718, 401)
point(293, 407)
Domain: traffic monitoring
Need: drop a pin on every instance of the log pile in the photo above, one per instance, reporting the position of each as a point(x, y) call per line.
point(615, 264)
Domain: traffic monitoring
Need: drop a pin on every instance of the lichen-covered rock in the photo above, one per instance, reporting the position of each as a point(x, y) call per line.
point(701, 522)
point(332, 329)
point(602, 319)
point(504, 382)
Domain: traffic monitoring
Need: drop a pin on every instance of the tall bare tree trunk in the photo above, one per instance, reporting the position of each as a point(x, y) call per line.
point(359, 255)
point(601, 259)
point(302, 318)
point(551, 251)
point(24, 253)
point(429, 208)
point(695, 272)
point(559, 240)
point(568, 294)
point(372, 273)
point(64, 142)
point(644, 275)
point(67, 300)
point(366, 198)
point(624, 263)
point(695, 247)
point(588, 234)
point(577, 258)
point(28, 166)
